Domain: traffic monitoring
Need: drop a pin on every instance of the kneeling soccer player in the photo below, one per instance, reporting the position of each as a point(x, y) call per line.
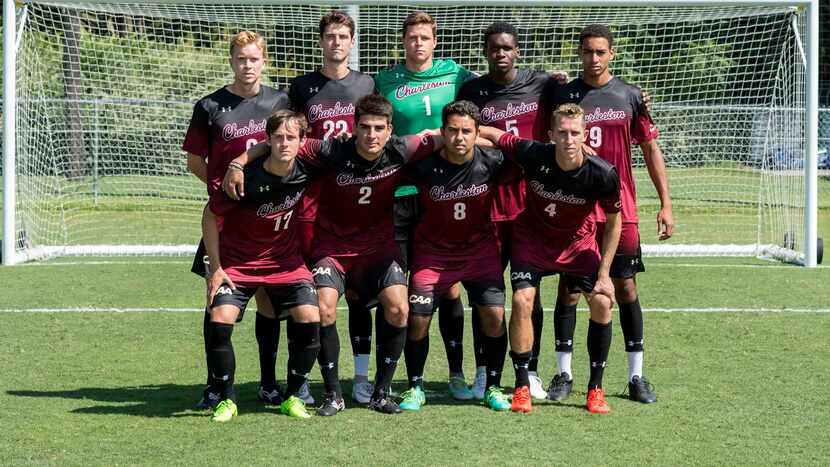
point(455, 241)
point(556, 235)
point(258, 247)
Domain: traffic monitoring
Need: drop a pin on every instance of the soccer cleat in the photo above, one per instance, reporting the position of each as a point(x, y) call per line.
point(560, 387)
point(294, 407)
point(305, 394)
point(269, 395)
point(536, 389)
point(640, 390)
point(224, 411)
point(332, 403)
point(413, 399)
point(596, 401)
point(458, 389)
point(362, 390)
point(495, 399)
point(382, 402)
point(209, 400)
point(480, 383)
point(521, 400)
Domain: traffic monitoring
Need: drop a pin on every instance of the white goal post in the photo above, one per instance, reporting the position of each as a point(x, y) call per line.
point(98, 94)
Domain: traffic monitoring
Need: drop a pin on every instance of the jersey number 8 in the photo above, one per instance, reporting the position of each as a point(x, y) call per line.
point(459, 211)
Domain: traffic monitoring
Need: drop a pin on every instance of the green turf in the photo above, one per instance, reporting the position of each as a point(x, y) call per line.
point(115, 388)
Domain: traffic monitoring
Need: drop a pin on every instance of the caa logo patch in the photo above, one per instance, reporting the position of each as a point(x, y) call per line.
point(420, 300)
point(321, 271)
point(224, 290)
point(520, 276)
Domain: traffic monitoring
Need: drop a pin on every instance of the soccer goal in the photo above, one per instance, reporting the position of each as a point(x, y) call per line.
point(98, 96)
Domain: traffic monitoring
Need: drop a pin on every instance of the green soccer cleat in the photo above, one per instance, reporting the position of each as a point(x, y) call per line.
point(224, 411)
point(294, 407)
point(458, 389)
point(413, 399)
point(495, 399)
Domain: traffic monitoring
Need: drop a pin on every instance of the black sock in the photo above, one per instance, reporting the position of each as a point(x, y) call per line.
point(520, 363)
point(360, 328)
point(390, 343)
point(631, 322)
point(564, 326)
point(328, 358)
point(222, 360)
point(415, 353)
point(478, 338)
point(537, 317)
point(599, 342)
point(206, 330)
point(495, 350)
point(303, 346)
point(267, 331)
point(451, 323)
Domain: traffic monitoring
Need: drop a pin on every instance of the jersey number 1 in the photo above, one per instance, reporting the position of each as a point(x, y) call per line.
point(427, 106)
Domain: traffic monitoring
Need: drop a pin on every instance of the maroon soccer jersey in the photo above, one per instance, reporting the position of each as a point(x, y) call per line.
point(560, 203)
point(258, 244)
point(455, 202)
point(328, 105)
point(224, 125)
point(616, 118)
point(355, 211)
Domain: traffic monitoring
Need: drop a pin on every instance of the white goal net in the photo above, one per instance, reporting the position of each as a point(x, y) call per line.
point(105, 92)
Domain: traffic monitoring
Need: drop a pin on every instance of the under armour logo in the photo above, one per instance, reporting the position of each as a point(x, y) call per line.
point(265, 188)
point(544, 169)
point(453, 343)
point(315, 89)
point(349, 164)
point(226, 109)
point(567, 342)
point(359, 339)
point(598, 364)
point(494, 373)
point(483, 93)
point(438, 171)
point(389, 361)
point(330, 365)
point(574, 95)
point(398, 75)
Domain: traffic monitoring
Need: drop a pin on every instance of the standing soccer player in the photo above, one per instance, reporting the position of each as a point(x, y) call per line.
point(354, 246)
point(455, 241)
point(225, 123)
point(556, 234)
point(419, 89)
point(258, 249)
point(616, 118)
point(509, 100)
point(327, 98)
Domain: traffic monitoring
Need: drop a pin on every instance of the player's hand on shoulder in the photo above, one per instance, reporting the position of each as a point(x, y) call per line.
point(216, 279)
point(665, 223)
point(234, 182)
point(561, 77)
point(343, 137)
point(587, 149)
point(646, 99)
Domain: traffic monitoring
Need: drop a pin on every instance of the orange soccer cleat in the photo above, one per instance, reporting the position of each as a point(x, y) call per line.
point(521, 400)
point(596, 401)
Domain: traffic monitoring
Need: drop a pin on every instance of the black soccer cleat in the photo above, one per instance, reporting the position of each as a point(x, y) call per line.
point(640, 390)
point(332, 403)
point(382, 402)
point(560, 387)
point(271, 395)
point(209, 400)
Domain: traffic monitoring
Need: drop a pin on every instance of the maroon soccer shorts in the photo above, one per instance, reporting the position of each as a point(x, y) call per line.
point(367, 274)
point(433, 275)
point(628, 261)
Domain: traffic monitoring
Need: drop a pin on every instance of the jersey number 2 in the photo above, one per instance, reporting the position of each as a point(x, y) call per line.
point(365, 193)
point(334, 128)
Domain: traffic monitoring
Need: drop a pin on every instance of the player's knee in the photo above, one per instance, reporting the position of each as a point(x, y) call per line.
point(523, 302)
point(600, 306)
point(305, 314)
point(224, 314)
point(625, 290)
point(417, 327)
point(492, 321)
point(328, 314)
point(396, 314)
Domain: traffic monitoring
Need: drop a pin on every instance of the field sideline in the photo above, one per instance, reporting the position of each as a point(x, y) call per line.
point(102, 361)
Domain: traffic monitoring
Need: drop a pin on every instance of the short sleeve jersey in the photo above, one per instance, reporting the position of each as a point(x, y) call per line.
point(224, 125)
point(560, 203)
point(355, 212)
point(455, 201)
point(258, 239)
point(616, 118)
point(328, 105)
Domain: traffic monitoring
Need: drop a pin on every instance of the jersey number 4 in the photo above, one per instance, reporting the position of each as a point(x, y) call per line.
point(551, 209)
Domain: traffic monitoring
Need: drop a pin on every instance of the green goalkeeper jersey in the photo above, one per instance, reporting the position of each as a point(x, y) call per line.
point(419, 97)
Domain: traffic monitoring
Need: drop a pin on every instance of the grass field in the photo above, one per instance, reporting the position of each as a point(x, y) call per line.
point(102, 360)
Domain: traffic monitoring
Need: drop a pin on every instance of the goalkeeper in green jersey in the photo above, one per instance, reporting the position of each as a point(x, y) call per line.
point(418, 90)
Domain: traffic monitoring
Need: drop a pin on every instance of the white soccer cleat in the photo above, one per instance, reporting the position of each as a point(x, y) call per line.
point(305, 394)
point(362, 390)
point(536, 390)
point(480, 383)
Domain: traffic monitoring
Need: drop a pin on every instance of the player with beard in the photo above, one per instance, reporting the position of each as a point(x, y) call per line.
point(258, 249)
point(225, 123)
point(616, 118)
point(354, 246)
point(327, 98)
point(556, 234)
